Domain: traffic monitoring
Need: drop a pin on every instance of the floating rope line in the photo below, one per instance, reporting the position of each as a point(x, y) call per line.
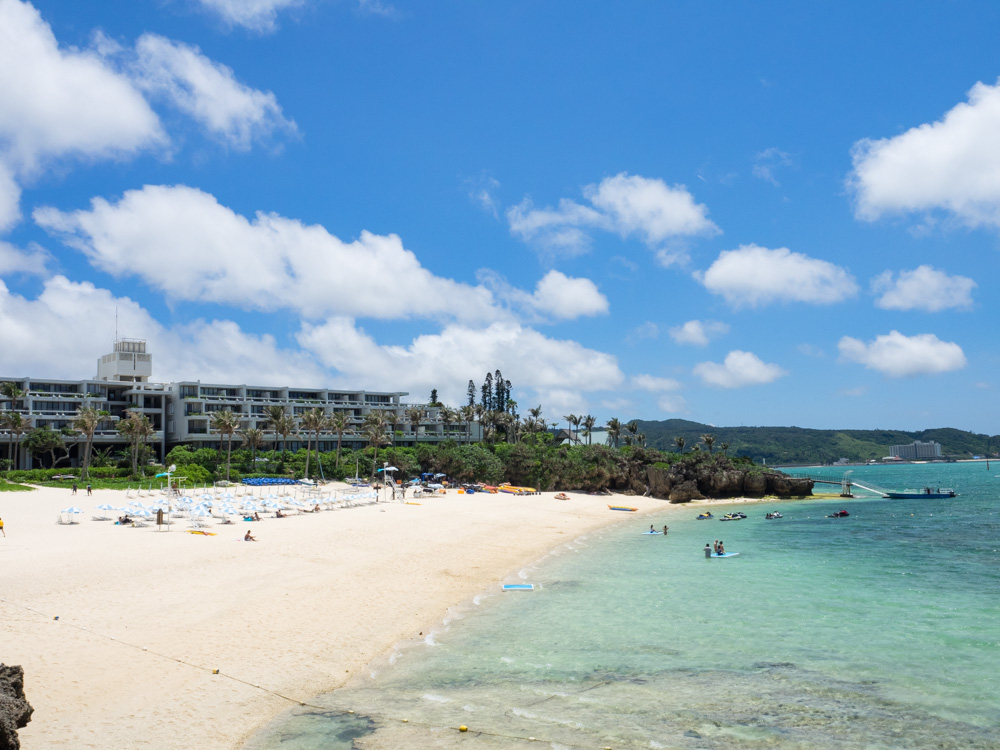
point(382, 717)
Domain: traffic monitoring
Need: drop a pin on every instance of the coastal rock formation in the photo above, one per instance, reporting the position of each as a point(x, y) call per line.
point(15, 711)
point(684, 481)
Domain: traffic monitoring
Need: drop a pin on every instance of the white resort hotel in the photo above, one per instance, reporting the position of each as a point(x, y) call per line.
point(180, 412)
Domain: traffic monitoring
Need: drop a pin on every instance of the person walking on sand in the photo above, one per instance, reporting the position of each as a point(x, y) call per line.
point(74, 488)
point(90, 491)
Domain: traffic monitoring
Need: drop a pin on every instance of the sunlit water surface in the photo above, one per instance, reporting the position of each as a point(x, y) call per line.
point(879, 630)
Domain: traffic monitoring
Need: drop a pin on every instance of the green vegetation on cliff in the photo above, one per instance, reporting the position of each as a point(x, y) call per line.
point(797, 445)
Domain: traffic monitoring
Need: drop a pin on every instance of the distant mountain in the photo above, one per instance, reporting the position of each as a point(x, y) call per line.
point(798, 445)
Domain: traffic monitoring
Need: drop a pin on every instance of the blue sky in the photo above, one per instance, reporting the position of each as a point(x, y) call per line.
point(736, 213)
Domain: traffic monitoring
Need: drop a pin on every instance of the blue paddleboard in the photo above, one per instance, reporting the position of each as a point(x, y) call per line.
point(519, 587)
point(652, 532)
point(727, 554)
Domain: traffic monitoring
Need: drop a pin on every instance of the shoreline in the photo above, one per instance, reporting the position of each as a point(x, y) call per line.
point(119, 629)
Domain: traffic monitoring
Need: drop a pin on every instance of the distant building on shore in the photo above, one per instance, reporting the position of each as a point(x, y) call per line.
point(180, 413)
point(916, 450)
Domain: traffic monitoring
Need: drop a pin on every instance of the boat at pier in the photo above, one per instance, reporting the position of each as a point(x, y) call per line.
point(927, 493)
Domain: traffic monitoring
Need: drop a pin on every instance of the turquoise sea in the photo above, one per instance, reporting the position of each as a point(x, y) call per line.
point(879, 630)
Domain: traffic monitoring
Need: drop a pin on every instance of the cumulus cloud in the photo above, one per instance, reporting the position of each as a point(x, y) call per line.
point(625, 204)
point(698, 332)
point(256, 15)
point(754, 276)
point(566, 298)
point(923, 288)
point(739, 369)
point(267, 263)
point(14, 260)
point(558, 371)
point(654, 384)
point(216, 351)
point(63, 102)
point(896, 356)
point(952, 165)
point(208, 92)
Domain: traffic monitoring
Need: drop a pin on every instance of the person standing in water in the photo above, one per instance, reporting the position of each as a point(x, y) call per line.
point(708, 550)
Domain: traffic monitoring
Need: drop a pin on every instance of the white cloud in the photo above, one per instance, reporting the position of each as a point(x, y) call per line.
point(896, 355)
point(256, 15)
point(952, 164)
point(753, 276)
point(14, 260)
point(654, 384)
point(739, 369)
point(208, 92)
point(697, 332)
point(566, 298)
point(556, 370)
point(216, 351)
point(57, 103)
point(924, 288)
point(269, 263)
point(625, 204)
point(63, 102)
point(10, 199)
point(482, 191)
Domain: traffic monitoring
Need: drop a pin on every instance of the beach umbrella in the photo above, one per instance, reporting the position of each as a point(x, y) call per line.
point(142, 513)
point(72, 509)
point(105, 506)
point(389, 468)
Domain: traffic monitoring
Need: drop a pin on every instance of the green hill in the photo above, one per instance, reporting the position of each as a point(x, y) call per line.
point(798, 445)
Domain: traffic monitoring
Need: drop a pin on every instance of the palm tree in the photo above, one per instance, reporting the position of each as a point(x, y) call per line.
point(614, 428)
point(136, 428)
point(723, 447)
point(340, 423)
point(274, 415)
point(374, 429)
point(313, 421)
point(468, 416)
point(708, 440)
point(285, 426)
point(633, 432)
point(571, 419)
point(588, 424)
point(14, 420)
point(415, 415)
point(225, 422)
point(87, 420)
point(254, 440)
point(679, 442)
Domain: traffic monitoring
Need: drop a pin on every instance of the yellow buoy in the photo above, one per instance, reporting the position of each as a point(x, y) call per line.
point(463, 728)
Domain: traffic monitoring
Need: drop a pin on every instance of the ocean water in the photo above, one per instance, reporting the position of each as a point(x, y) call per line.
point(879, 630)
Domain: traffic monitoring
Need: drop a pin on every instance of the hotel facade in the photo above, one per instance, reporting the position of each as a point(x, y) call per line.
point(181, 412)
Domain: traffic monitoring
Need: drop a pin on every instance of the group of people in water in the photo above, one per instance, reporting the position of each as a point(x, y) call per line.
point(652, 530)
point(717, 548)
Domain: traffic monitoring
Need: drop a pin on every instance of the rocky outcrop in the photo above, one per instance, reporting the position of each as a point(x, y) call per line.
point(684, 481)
point(15, 712)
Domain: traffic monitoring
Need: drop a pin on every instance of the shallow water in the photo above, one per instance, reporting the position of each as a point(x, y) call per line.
point(879, 630)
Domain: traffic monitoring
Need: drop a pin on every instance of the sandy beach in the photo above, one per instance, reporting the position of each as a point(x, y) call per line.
point(120, 629)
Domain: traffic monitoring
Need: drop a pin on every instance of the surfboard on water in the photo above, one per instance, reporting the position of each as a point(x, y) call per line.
point(518, 587)
point(652, 532)
point(726, 554)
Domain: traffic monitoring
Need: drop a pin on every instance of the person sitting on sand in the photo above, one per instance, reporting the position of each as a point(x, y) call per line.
point(316, 508)
point(248, 537)
point(256, 516)
point(279, 514)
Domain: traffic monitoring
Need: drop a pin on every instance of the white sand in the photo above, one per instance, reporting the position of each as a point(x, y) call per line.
point(144, 616)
